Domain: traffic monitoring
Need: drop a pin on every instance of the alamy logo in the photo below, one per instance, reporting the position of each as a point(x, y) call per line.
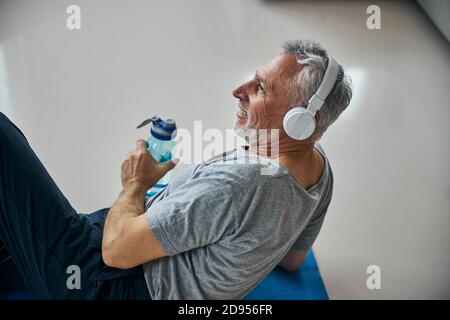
point(73, 21)
point(211, 142)
point(374, 280)
point(374, 20)
point(74, 279)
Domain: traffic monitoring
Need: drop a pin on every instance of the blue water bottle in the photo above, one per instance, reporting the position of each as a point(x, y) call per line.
point(160, 145)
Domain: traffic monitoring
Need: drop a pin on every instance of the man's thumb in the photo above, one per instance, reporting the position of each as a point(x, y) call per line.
point(170, 164)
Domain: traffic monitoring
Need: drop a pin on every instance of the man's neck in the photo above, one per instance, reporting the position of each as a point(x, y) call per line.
point(289, 151)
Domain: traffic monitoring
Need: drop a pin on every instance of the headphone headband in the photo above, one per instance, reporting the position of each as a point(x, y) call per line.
point(327, 84)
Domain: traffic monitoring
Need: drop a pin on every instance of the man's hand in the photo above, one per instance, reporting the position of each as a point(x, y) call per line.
point(127, 239)
point(141, 170)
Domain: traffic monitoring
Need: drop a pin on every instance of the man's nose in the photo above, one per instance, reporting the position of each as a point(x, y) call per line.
point(240, 94)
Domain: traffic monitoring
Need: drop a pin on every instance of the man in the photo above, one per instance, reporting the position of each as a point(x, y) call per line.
point(217, 230)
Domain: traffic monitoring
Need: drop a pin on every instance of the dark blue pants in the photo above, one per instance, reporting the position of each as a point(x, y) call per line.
point(46, 239)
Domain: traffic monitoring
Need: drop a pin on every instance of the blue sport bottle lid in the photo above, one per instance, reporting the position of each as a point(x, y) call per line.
point(161, 129)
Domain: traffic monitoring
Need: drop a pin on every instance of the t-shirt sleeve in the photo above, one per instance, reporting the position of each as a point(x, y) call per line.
point(197, 213)
point(306, 239)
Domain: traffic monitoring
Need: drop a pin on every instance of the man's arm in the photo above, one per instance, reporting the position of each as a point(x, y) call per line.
point(293, 260)
point(127, 238)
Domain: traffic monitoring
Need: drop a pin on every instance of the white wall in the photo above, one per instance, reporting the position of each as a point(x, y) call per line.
point(78, 96)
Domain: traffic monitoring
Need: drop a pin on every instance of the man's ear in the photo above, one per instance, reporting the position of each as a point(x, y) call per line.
point(317, 117)
point(314, 136)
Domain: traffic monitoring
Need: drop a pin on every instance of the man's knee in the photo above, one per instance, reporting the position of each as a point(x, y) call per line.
point(7, 125)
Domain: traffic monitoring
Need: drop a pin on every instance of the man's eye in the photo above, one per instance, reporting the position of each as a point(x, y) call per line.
point(259, 87)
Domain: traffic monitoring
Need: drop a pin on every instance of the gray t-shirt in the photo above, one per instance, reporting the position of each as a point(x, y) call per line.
point(225, 225)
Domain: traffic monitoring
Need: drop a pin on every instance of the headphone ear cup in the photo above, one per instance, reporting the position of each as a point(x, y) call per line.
point(299, 124)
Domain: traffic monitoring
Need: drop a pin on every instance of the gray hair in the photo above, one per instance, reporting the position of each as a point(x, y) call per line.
point(305, 83)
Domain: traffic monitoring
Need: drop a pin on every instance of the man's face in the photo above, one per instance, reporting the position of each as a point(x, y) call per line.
point(263, 100)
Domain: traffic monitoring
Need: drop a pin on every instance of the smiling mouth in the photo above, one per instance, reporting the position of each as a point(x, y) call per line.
point(242, 113)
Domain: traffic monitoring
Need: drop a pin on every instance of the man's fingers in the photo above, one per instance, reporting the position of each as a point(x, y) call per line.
point(141, 145)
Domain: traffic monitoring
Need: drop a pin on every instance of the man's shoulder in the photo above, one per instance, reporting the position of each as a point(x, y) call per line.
point(242, 165)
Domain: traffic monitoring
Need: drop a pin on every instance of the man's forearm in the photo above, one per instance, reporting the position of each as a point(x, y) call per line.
point(129, 204)
point(127, 239)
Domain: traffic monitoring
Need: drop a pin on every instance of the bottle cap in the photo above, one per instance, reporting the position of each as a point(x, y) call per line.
point(161, 129)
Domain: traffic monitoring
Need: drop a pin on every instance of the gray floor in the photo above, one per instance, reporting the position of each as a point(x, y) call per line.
point(78, 96)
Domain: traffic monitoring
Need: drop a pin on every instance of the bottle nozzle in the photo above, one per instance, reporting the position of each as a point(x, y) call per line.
point(154, 119)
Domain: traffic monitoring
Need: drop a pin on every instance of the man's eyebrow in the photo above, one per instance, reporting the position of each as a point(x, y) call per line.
point(265, 82)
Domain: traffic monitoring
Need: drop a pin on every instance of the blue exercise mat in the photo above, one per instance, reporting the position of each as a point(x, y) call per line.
point(303, 284)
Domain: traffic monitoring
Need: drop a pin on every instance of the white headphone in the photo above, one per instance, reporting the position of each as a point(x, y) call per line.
point(299, 122)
